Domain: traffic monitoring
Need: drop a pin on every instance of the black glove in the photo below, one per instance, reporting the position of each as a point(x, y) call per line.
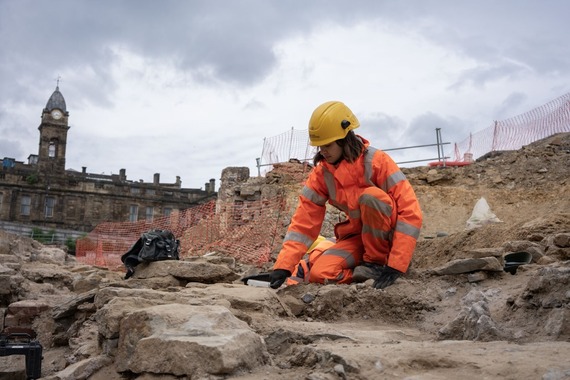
point(386, 277)
point(278, 277)
point(130, 272)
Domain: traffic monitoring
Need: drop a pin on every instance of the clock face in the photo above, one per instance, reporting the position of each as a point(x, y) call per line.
point(56, 114)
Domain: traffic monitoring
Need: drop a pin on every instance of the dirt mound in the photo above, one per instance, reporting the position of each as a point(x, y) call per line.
point(518, 185)
point(528, 191)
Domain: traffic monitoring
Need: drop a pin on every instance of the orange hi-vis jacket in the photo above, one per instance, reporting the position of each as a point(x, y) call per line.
point(383, 213)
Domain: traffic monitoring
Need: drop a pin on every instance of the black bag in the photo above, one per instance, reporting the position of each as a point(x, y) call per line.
point(154, 245)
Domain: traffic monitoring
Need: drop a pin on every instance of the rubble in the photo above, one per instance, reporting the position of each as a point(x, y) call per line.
point(455, 311)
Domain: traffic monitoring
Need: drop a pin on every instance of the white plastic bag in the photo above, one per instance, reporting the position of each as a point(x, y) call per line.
point(481, 215)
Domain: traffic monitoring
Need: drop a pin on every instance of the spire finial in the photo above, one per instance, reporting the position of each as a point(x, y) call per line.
point(57, 82)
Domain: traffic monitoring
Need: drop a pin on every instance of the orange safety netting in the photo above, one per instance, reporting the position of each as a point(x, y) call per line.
point(246, 231)
point(512, 134)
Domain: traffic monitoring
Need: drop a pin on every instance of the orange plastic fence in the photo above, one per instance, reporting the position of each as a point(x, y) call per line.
point(512, 134)
point(244, 230)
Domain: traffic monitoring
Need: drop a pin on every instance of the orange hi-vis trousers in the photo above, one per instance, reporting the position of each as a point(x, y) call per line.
point(333, 262)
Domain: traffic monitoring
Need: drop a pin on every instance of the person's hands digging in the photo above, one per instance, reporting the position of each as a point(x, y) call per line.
point(278, 277)
point(386, 277)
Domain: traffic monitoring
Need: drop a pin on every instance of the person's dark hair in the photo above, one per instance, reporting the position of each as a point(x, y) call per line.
point(351, 145)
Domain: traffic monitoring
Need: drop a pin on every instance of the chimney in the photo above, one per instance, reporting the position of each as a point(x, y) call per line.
point(212, 185)
point(123, 174)
point(157, 178)
point(84, 169)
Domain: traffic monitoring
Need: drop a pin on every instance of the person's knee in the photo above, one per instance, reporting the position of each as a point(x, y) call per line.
point(324, 272)
point(375, 195)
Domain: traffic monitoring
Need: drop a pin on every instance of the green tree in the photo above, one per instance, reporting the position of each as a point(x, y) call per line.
point(32, 179)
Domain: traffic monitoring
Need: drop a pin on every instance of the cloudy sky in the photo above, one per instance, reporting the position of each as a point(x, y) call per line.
point(188, 88)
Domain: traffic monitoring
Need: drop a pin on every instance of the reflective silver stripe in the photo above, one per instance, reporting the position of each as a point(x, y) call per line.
point(299, 238)
point(329, 181)
point(384, 235)
point(407, 229)
point(393, 180)
point(354, 214)
point(311, 195)
point(368, 165)
point(390, 181)
point(347, 256)
point(341, 206)
point(376, 204)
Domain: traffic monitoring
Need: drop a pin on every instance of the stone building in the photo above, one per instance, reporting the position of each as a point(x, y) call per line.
point(42, 193)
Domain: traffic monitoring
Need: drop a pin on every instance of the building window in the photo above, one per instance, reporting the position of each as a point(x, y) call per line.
point(32, 159)
point(135, 190)
point(134, 213)
point(167, 211)
point(51, 149)
point(25, 205)
point(50, 205)
point(71, 208)
point(8, 162)
point(149, 213)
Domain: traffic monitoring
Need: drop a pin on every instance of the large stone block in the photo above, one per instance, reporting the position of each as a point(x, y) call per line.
point(187, 340)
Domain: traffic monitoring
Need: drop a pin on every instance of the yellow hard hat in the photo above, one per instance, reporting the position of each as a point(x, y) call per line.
point(331, 121)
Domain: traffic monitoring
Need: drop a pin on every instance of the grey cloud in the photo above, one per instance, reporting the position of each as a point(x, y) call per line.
point(421, 139)
point(382, 130)
point(231, 42)
point(390, 134)
point(422, 129)
point(505, 109)
point(227, 39)
point(17, 142)
point(191, 160)
point(12, 149)
point(254, 104)
point(481, 75)
point(491, 32)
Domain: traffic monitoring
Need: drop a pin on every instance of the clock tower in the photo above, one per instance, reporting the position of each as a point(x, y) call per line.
point(53, 135)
